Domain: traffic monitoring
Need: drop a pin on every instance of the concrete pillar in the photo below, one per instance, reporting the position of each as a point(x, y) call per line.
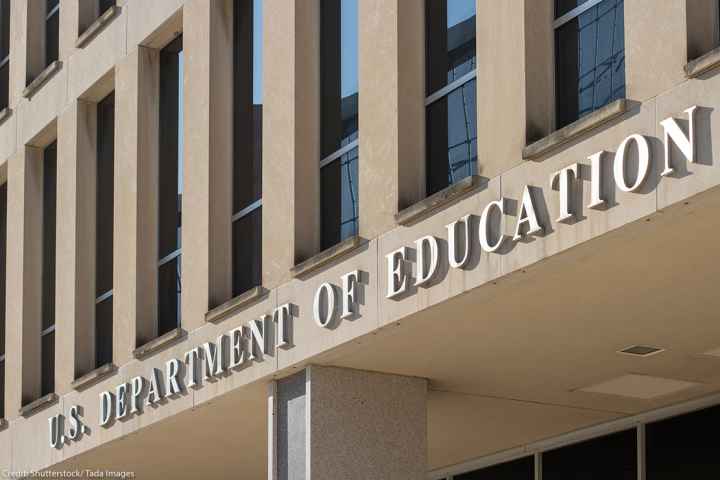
point(69, 27)
point(291, 136)
point(328, 423)
point(136, 147)
point(75, 272)
point(208, 133)
point(514, 58)
point(392, 131)
point(18, 46)
point(655, 47)
point(24, 270)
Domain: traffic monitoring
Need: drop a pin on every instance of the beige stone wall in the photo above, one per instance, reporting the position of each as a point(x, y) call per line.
point(514, 104)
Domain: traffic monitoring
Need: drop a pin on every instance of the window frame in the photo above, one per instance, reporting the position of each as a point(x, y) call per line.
point(245, 127)
point(49, 17)
point(176, 254)
point(559, 22)
point(638, 422)
point(45, 277)
point(101, 156)
point(329, 159)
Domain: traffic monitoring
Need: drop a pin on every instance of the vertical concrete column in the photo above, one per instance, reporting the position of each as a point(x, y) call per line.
point(655, 47)
point(69, 27)
point(18, 47)
point(75, 272)
point(392, 131)
point(291, 136)
point(515, 98)
point(328, 423)
point(24, 270)
point(207, 188)
point(135, 233)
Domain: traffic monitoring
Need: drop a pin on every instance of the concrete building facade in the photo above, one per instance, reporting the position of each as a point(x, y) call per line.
point(353, 239)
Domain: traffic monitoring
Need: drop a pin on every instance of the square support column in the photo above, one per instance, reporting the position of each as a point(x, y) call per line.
point(207, 178)
point(655, 47)
point(135, 232)
point(392, 131)
point(328, 423)
point(291, 136)
point(24, 271)
point(75, 274)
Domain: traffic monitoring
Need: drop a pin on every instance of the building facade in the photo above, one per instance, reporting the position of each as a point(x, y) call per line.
point(354, 239)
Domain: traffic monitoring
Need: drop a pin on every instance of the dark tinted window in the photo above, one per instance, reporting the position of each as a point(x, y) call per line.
point(3, 309)
point(48, 269)
point(612, 456)
point(590, 61)
point(451, 138)
point(4, 52)
point(247, 157)
point(684, 447)
point(521, 469)
point(170, 185)
point(104, 212)
point(339, 119)
point(104, 5)
point(451, 125)
point(48, 238)
point(450, 41)
point(339, 197)
point(52, 31)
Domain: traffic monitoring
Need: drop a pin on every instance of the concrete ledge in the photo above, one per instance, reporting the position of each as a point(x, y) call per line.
point(93, 377)
point(5, 113)
point(97, 26)
point(436, 201)
point(40, 80)
point(39, 404)
point(174, 335)
point(221, 312)
point(326, 256)
point(702, 64)
point(570, 132)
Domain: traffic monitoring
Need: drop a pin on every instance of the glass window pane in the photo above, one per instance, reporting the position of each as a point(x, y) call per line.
point(3, 264)
point(48, 238)
point(451, 138)
point(170, 179)
point(4, 28)
point(612, 456)
point(521, 469)
point(590, 56)
point(2, 389)
point(246, 255)
point(339, 197)
point(169, 289)
point(247, 162)
point(52, 32)
point(564, 6)
point(103, 332)
point(338, 74)
point(47, 363)
point(450, 41)
point(170, 168)
point(105, 191)
point(684, 447)
point(103, 5)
